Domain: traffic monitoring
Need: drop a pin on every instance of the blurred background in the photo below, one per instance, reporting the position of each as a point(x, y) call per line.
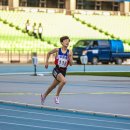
point(28, 26)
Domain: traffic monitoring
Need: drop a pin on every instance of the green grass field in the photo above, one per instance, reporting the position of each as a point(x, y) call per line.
point(118, 74)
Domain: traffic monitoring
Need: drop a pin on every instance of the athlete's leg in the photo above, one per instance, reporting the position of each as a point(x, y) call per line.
point(62, 81)
point(51, 87)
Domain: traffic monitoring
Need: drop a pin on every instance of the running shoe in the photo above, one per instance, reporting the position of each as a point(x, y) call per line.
point(42, 99)
point(57, 101)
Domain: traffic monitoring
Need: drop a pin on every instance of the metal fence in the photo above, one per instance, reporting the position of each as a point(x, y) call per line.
point(22, 57)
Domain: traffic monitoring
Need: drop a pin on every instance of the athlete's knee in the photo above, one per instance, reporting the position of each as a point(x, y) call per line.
point(63, 81)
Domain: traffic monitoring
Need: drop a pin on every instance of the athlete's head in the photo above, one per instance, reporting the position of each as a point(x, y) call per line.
point(65, 41)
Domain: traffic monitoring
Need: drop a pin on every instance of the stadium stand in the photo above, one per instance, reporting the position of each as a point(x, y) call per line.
point(54, 25)
point(117, 25)
point(15, 40)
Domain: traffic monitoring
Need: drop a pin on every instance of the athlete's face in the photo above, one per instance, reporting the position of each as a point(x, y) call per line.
point(65, 43)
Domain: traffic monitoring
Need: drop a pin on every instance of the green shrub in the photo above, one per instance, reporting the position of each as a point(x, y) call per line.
point(100, 30)
point(55, 44)
point(89, 25)
point(118, 38)
point(11, 25)
point(83, 22)
point(43, 39)
point(30, 33)
point(112, 36)
point(72, 15)
point(106, 33)
point(94, 27)
point(1, 19)
point(124, 41)
point(17, 27)
point(49, 42)
point(23, 31)
point(5, 22)
point(77, 19)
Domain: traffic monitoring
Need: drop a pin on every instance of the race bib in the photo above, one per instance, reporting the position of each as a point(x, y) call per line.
point(62, 62)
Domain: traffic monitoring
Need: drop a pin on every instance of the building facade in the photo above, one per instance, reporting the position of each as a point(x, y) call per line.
point(70, 5)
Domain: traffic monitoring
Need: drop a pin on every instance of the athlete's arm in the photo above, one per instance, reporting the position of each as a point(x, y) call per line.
point(48, 56)
point(70, 57)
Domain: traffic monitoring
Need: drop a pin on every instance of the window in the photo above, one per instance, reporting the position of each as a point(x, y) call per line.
point(103, 43)
point(4, 2)
point(61, 4)
point(42, 3)
point(61, 1)
point(32, 3)
point(90, 5)
point(79, 4)
point(115, 6)
point(83, 43)
point(107, 6)
point(23, 2)
point(95, 44)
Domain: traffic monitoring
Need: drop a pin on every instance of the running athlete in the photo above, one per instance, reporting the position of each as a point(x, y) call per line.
point(62, 60)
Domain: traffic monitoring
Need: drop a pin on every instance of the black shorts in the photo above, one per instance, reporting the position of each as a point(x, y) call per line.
point(57, 71)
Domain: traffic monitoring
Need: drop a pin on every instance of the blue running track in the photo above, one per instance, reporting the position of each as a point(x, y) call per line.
point(15, 116)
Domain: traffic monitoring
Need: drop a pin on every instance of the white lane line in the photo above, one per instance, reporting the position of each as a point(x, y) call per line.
point(41, 127)
point(26, 73)
point(77, 124)
point(38, 113)
point(68, 123)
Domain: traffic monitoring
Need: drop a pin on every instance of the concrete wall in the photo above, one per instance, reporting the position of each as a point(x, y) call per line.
point(13, 4)
point(124, 8)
